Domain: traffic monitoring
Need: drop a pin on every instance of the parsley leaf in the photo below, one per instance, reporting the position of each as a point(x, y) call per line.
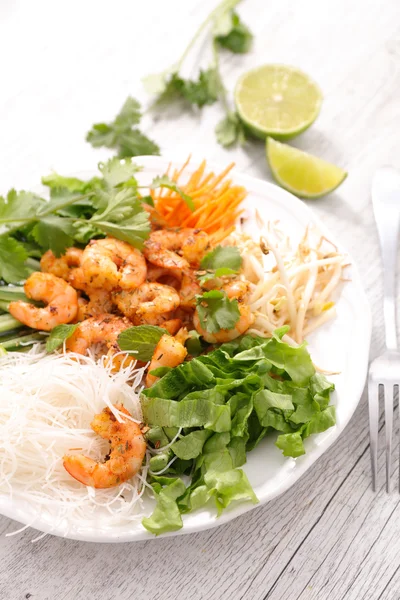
point(165, 182)
point(121, 134)
point(216, 311)
point(12, 260)
point(58, 335)
point(222, 257)
point(141, 340)
point(230, 131)
point(234, 35)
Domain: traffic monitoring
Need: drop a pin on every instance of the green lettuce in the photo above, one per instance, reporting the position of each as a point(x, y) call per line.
point(222, 404)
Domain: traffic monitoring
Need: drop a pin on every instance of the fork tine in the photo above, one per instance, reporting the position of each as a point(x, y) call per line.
point(373, 403)
point(388, 391)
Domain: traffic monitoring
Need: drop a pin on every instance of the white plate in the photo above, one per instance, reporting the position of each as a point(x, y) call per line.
point(342, 345)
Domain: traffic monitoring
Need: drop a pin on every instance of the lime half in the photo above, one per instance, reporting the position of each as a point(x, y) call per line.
point(300, 173)
point(277, 100)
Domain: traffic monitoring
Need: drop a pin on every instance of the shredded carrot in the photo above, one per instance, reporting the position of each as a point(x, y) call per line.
point(217, 202)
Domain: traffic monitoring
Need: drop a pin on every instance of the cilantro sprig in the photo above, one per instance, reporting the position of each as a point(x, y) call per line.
point(122, 134)
point(77, 211)
point(220, 262)
point(216, 311)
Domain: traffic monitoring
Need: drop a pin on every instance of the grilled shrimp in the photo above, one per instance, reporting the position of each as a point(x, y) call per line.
point(103, 329)
point(60, 297)
point(189, 290)
point(162, 257)
point(169, 352)
point(151, 303)
point(171, 277)
point(61, 267)
point(109, 263)
point(192, 243)
point(127, 451)
point(245, 321)
point(99, 302)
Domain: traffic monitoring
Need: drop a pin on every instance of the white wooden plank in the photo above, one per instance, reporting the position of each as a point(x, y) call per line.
point(328, 537)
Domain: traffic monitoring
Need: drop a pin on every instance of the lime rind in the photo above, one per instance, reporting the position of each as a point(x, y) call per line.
point(300, 173)
point(277, 93)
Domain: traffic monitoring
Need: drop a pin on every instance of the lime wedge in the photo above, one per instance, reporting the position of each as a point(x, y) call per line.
point(277, 100)
point(302, 174)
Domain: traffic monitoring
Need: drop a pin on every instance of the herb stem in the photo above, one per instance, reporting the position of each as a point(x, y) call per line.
point(21, 341)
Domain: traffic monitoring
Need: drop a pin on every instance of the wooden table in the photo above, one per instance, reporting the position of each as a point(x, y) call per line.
point(67, 65)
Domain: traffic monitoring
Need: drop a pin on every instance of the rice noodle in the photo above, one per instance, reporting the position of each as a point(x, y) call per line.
point(47, 403)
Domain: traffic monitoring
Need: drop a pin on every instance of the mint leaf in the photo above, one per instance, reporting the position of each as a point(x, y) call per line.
point(12, 260)
point(222, 257)
point(230, 131)
point(234, 36)
point(165, 182)
point(58, 335)
point(216, 311)
point(141, 340)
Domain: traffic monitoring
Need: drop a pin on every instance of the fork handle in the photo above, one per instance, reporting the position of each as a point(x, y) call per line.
point(388, 230)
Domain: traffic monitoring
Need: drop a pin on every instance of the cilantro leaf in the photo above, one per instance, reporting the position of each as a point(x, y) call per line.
point(230, 131)
point(19, 206)
point(222, 257)
point(58, 335)
point(165, 182)
point(12, 260)
point(119, 172)
point(216, 311)
point(55, 181)
point(141, 340)
point(234, 36)
point(130, 114)
point(54, 233)
point(201, 91)
point(221, 272)
point(121, 134)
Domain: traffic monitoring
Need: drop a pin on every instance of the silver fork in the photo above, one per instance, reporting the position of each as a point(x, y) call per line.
point(384, 371)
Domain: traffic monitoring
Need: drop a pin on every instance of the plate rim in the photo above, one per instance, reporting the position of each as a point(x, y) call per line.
point(8, 508)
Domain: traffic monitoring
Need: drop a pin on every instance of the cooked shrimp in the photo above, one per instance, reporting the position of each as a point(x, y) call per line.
point(169, 352)
point(162, 257)
point(99, 303)
point(192, 243)
point(151, 303)
point(110, 263)
point(245, 321)
point(60, 297)
point(103, 329)
point(189, 289)
point(171, 277)
point(127, 451)
point(61, 267)
point(236, 289)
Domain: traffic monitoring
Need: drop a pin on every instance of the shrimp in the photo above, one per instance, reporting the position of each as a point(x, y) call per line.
point(236, 289)
point(127, 451)
point(171, 277)
point(60, 297)
point(109, 263)
point(151, 303)
point(61, 267)
point(192, 243)
point(99, 303)
point(169, 352)
point(103, 329)
point(189, 290)
point(162, 257)
point(245, 321)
